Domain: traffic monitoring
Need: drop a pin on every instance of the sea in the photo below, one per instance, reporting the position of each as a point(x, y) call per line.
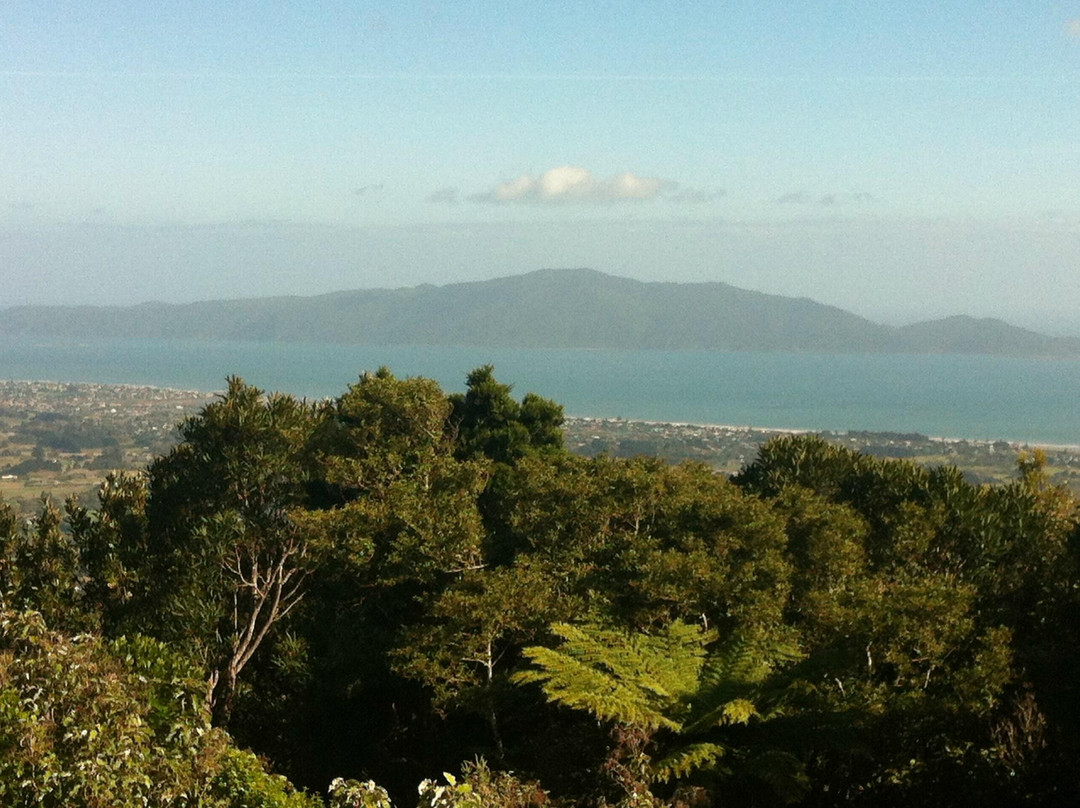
point(1034, 401)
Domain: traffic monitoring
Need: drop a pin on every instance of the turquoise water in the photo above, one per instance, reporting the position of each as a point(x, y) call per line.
point(955, 396)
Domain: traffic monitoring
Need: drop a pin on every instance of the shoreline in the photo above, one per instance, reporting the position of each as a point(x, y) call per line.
point(768, 430)
point(1017, 444)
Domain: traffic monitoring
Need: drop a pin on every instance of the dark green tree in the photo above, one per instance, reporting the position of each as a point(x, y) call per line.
point(487, 421)
point(205, 553)
point(926, 602)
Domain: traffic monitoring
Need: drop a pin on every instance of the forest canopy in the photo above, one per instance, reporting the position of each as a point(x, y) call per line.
point(308, 603)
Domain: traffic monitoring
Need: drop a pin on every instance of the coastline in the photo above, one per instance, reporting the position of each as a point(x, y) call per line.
point(769, 430)
point(143, 420)
point(1027, 402)
point(730, 429)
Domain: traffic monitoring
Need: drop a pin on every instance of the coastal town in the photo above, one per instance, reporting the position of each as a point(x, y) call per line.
point(61, 439)
point(728, 448)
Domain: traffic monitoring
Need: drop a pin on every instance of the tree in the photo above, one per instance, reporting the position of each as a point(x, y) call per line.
point(642, 543)
point(471, 638)
point(40, 568)
point(391, 517)
point(935, 607)
point(225, 554)
point(487, 421)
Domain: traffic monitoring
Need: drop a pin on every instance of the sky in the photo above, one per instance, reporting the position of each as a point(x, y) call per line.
point(900, 160)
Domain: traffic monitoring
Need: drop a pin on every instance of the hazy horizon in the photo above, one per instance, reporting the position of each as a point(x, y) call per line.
point(101, 264)
point(900, 162)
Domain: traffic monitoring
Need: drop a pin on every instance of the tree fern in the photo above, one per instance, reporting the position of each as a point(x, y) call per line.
point(731, 681)
point(669, 681)
point(639, 679)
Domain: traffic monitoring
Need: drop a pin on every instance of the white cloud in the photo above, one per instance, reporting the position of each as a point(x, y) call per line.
point(575, 184)
point(1072, 28)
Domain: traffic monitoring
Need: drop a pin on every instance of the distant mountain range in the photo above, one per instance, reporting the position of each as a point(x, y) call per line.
point(565, 308)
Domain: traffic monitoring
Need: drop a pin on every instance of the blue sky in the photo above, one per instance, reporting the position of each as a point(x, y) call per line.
point(899, 160)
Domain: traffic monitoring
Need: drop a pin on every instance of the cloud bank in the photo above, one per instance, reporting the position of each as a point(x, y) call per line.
point(575, 184)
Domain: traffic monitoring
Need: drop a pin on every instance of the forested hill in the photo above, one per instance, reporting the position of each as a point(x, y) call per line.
point(576, 308)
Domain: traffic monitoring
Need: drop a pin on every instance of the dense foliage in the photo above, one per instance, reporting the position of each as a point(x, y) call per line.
point(377, 589)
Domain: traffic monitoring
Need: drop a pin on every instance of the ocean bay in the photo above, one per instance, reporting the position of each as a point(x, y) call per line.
point(977, 397)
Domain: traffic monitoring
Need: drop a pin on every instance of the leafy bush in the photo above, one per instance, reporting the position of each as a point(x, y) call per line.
point(86, 723)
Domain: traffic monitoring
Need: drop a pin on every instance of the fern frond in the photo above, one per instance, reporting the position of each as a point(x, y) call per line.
point(739, 711)
point(571, 682)
point(640, 679)
point(735, 711)
point(687, 759)
point(734, 682)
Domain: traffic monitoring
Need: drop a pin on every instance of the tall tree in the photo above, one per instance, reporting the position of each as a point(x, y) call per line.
point(225, 553)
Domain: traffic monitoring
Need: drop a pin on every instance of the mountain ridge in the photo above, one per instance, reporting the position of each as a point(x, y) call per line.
point(549, 308)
